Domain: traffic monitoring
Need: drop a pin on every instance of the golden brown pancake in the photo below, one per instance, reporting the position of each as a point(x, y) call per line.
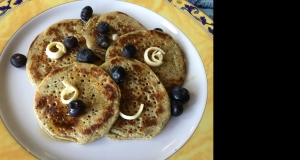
point(38, 64)
point(141, 86)
point(100, 94)
point(119, 22)
point(172, 72)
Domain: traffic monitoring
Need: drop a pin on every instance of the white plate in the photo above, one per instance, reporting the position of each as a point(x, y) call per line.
point(16, 93)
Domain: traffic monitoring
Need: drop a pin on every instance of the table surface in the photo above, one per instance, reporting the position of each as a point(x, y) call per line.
point(189, 19)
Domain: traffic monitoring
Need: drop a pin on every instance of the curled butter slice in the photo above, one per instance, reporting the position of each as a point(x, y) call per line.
point(115, 37)
point(69, 89)
point(55, 55)
point(157, 53)
point(135, 115)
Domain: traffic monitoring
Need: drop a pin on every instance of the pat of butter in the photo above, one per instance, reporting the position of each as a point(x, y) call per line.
point(157, 53)
point(115, 37)
point(135, 115)
point(69, 89)
point(55, 55)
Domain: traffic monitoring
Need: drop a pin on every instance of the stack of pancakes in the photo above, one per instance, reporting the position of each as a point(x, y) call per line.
point(104, 99)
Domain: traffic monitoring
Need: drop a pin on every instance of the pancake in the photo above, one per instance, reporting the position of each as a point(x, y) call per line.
point(38, 64)
point(100, 94)
point(119, 22)
point(141, 86)
point(172, 71)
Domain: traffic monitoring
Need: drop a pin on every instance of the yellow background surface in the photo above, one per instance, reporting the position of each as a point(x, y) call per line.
point(200, 145)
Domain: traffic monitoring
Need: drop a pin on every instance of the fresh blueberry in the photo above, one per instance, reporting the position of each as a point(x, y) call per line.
point(103, 28)
point(118, 74)
point(86, 13)
point(85, 55)
point(176, 108)
point(103, 41)
point(70, 42)
point(129, 50)
point(76, 108)
point(180, 94)
point(18, 60)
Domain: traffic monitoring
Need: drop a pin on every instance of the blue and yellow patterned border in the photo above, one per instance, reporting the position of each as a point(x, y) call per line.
point(7, 6)
point(192, 11)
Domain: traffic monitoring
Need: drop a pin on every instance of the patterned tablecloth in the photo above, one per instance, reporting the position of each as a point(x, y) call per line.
point(195, 24)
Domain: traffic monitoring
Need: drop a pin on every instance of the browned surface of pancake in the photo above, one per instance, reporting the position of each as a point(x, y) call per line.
point(119, 22)
point(141, 86)
point(38, 64)
point(172, 72)
point(100, 94)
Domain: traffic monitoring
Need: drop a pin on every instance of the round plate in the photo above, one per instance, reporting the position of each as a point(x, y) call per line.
point(16, 96)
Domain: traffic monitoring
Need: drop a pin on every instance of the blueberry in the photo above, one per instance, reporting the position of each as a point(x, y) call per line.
point(118, 74)
point(85, 55)
point(129, 50)
point(103, 28)
point(86, 13)
point(103, 41)
point(70, 42)
point(18, 60)
point(76, 108)
point(158, 29)
point(176, 108)
point(181, 94)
